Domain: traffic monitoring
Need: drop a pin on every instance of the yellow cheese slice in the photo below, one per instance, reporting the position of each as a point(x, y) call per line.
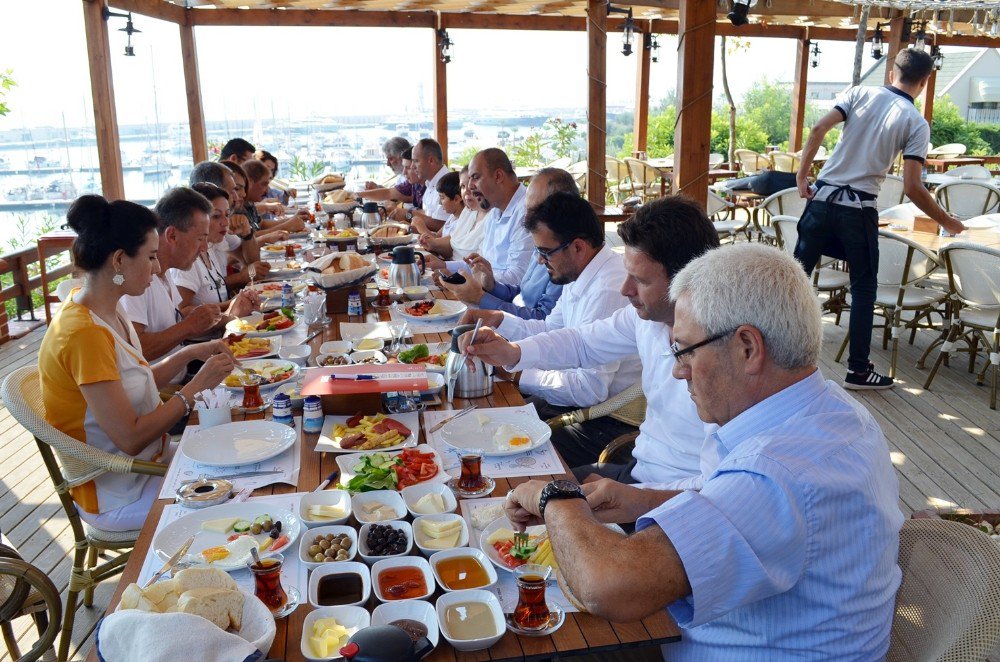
point(219, 525)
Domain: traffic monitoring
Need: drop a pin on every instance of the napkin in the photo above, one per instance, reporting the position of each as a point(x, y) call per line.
point(217, 398)
point(131, 634)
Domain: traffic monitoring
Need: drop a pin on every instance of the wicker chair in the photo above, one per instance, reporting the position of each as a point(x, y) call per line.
point(786, 202)
point(967, 199)
point(629, 406)
point(618, 182)
point(27, 591)
point(71, 463)
point(949, 151)
point(645, 179)
point(785, 162)
point(722, 214)
point(946, 606)
point(891, 193)
point(834, 283)
point(970, 172)
point(751, 162)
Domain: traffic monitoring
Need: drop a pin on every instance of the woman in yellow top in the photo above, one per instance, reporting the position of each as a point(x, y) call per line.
point(96, 386)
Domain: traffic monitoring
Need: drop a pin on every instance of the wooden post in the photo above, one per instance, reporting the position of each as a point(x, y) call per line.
point(927, 98)
point(640, 128)
point(103, 91)
point(695, 60)
point(192, 86)
point(440, 99)
point(597, 120)
point(895, 42)
point(799, 95)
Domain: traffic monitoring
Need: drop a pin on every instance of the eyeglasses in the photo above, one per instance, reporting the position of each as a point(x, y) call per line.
point(547, 253)
point(679, 354)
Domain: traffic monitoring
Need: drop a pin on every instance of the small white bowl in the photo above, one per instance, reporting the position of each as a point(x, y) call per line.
point(318, 361)
point(297, 354)
point(388, 498)
point(415, 610)
point(370, 558)
point(306, 541)
point(369, 344)
point(420, 539)
point(484, 561)
point(416, 292)
point(403, 562)
point(435, 382)
point(472, 595)
point(349, 617)
point(335, 347)
point(342, 568)
point(414, 493)
point(359, 357)
point(339, 498)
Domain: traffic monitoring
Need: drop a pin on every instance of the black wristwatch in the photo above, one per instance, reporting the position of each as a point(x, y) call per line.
point(246, 237)
point(558, 489)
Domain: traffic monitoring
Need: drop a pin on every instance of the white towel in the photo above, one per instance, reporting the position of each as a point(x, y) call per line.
point(130, 634)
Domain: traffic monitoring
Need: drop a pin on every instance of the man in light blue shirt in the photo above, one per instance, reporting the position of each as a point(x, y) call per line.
point(789, 549)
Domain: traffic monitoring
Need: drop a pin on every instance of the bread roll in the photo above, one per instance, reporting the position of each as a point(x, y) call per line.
point(345, 262)
point(389, 231)
point(191, 578)
point(160, 597)
point(222, 607)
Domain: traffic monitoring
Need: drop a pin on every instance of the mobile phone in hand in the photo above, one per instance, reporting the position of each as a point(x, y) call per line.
point(454, 279)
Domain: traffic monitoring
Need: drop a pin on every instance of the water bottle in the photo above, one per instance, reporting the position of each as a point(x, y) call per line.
point(281, 411)
point(287, 297)
point(312, 415)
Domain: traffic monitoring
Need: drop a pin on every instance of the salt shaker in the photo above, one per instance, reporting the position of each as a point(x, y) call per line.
point(281, 409)
point(312, 415)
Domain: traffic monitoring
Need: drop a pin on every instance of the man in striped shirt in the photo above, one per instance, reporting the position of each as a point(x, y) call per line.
point(789, 549)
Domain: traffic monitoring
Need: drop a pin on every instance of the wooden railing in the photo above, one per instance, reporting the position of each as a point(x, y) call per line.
point(18, 265)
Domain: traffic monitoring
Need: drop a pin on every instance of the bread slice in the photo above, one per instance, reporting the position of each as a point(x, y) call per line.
point(221, 606)
point(190, 578)
point(160, 597)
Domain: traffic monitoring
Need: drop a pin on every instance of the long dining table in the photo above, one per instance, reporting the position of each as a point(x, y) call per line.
point(581, 632)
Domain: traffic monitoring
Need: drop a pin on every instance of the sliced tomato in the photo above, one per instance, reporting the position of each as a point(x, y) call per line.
point(284, 323)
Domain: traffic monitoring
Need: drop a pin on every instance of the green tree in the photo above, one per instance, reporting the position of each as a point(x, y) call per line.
point(528, 151)
point(769, 105)
point(6, 84)
point(463, 158)
point(562, 137)
point(950, 127)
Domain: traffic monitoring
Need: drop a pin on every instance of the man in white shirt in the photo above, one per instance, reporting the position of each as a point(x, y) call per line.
point(670, 451)
point(569, 242)
point(183, 228)
point(507, 247)
point(428, 163)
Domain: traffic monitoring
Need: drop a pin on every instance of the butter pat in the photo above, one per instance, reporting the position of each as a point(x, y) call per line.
point(369, 343)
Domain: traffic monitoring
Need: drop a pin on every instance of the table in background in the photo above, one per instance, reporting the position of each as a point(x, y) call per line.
point(942, 165)
point(581, 632)
point(931, 240)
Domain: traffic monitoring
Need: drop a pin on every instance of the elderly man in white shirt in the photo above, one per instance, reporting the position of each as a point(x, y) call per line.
point(671, 451)
point(507, 247)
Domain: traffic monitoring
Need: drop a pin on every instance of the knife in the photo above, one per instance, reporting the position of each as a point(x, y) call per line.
point(452, 418)
point(171, 562)
point(248, 474)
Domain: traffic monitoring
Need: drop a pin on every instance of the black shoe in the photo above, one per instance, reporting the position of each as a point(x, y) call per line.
point(868, 381)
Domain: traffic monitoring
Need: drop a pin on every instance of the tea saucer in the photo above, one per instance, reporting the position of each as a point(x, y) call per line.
point(487, 489)
point(236, 404)
point(294, 600)
point(556, 618)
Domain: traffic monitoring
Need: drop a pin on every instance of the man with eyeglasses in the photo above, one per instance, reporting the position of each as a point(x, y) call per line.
point(789, 549)
point(670, 451)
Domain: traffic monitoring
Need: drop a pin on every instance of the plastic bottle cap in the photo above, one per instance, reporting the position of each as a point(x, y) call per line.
point(350, 650)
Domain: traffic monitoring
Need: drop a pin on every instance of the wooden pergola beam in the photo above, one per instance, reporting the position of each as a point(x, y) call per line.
point(440, 97)
point(311, 17)
point(927, 98)
point(192, 88)
point(164, 11)
point(597, 66)
point(640, 125)
point(895, 42)
point(103, 92)
point(799, 95)
point(695, 64)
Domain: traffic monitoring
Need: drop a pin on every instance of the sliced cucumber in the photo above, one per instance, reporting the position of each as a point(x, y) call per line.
point(242, 526)
point(260, 519)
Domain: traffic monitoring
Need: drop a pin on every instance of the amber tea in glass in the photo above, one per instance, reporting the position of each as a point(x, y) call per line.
point(251, 395)
point(531, 612)
point(472, 473)
point(267, 582)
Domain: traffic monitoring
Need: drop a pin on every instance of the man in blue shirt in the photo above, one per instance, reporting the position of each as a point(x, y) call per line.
point(789, 549)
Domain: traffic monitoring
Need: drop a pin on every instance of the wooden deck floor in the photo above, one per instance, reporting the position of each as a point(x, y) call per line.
point(945, 445)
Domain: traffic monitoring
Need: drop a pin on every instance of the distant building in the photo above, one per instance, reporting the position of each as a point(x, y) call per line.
point(970, 78)
point(823, 94)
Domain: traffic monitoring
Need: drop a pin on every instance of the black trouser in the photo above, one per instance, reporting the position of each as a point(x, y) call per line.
point(581, 443)
point(850, 234)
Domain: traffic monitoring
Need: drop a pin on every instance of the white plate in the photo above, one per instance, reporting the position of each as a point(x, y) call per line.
point(242, 442)
point(453, 309)
point(259, 365)
point(255, 319)
point(466, 432)
point(275, 346)
point(432, 349)
point(276, 293)
point(175, 534)
point(347, 461)
point(504, 523)
point(330, 445)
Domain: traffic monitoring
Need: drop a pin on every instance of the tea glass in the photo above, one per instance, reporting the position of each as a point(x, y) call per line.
point(471, 478)
point(531, 612)
point(267, 582)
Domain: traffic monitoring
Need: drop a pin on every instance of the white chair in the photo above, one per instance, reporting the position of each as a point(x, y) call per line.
point(718, 209)
point(786, 202)
point(903, 214)
point(966, 199)
point(825, 279)
point(618, 182)
point(784, 162)
point(974, 275)
point(751, 162)
point(903, 268)
point(715, 160)
point(645, 179)
point(891, 193)
point(946, 605)
point(949, 151)
point(561, 163)
point(970, 172)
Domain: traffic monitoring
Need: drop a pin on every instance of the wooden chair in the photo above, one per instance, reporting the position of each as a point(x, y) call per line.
point(946, 605)
point(903, 268)
point(619, 186)
point(891, 193)
point(974, 276)
point(826, 280)
point(785, 202)
point(27, 591)
point(751, 162)
point(645, 179)
point(71, 463)
point(784, 162)
point(966, 199)
point(949, 151)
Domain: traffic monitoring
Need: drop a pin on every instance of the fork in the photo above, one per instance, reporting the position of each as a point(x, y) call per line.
point(252, 272)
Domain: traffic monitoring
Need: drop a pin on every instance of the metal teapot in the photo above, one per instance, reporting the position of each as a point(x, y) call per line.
point(466, 376)
point(371, 216)
point(404, 272)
